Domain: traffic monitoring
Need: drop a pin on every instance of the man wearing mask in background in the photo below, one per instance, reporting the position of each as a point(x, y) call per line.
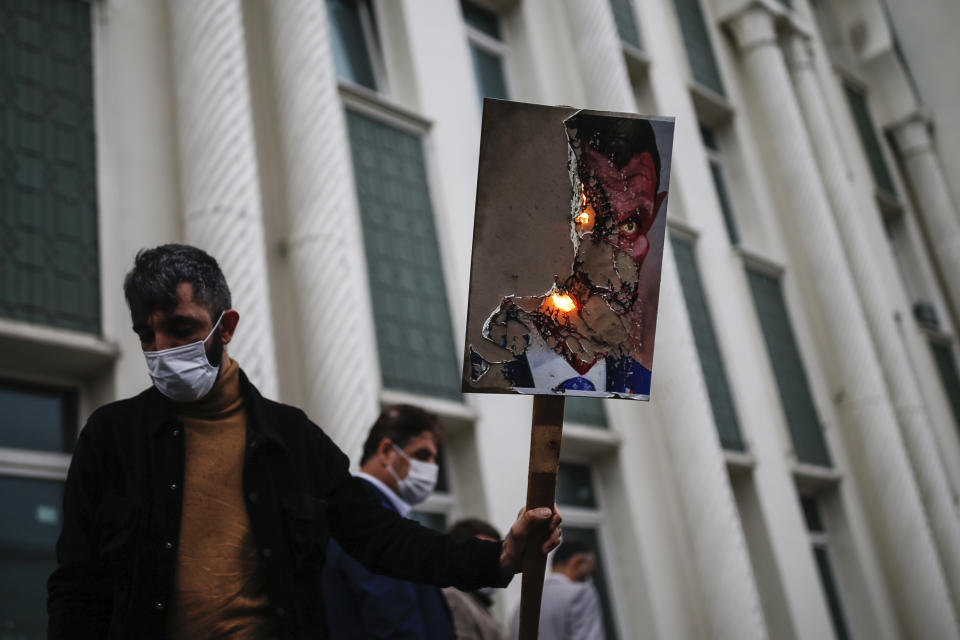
point(201, 509)
point(571, 604)
point(399, 461)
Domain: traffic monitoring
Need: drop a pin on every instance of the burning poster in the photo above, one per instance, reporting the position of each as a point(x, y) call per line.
point(567, 248)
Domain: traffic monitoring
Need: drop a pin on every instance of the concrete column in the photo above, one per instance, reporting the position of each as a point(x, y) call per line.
point(892, 498)
point(724, 573)
point(929, 188)
point(915, 426)
point(325, 243)
point(219, 180)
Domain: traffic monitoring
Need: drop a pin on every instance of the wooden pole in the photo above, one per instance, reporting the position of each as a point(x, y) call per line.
point(545, 436)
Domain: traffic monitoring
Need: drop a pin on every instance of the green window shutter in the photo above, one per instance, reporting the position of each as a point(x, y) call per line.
point(725, 207)
point(857, 100)
point(481, 19)
point(791, 378)
point(626, 20)
point(350, 55)
point(829, 584)
point(49, 258)
point(586, 411)
point(414, 336)
point(696, 41)
point(811, 513)
point(708, 350)
point(948, 374)
point(488, 70)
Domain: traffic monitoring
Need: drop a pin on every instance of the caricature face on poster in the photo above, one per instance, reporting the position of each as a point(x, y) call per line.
point(568, 243)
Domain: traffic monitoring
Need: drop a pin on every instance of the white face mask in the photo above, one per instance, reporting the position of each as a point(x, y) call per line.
point(183, 373)
point(420, 480)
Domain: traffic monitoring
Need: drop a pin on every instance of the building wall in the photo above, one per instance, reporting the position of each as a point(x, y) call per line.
point(698, 536)
point(923, 34)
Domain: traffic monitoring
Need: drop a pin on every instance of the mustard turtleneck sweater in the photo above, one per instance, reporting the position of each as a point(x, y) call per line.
point(219, 590)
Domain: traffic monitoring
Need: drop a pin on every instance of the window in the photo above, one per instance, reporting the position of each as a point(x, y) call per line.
point(857, 99)
point(947, 366)
point(821, 553)
point(40, 423)
point(575, 486)
point(353, 38)
point(585, 411)
point(28, 532)
point(49, 261)
point(582, 519)
point(711, 362)
point(38, 418)
point(795, 397)
point(49, 275)
point(905, 258)
point(626, 19)
point(716, 172)
point(414, 335)
point(487, 50)
point(696, 40)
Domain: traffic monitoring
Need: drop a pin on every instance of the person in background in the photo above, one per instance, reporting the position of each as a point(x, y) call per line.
point(571, 605)
point(471, 610)
point(399, 463)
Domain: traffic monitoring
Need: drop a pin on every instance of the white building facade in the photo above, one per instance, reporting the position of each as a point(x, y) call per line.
point(796, 474)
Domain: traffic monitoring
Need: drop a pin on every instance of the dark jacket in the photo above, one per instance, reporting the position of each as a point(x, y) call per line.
point(121, 520)
point(364, 606)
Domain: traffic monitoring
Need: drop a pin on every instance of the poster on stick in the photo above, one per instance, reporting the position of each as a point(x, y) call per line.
point(567, 249)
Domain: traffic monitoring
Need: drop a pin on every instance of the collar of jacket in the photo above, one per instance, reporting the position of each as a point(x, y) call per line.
point(160, 412)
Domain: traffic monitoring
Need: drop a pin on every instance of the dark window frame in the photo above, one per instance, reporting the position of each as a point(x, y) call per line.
point(695, 36)
point(394, 377)
point(948, 370)
point(720, 393)
point(715, 159)
point(485, 37)
point(822, 557)
point(789, 371)
point(370, 41)
point(70, 410)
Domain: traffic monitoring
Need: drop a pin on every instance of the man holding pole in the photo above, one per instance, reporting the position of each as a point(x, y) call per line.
point(201, 509)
